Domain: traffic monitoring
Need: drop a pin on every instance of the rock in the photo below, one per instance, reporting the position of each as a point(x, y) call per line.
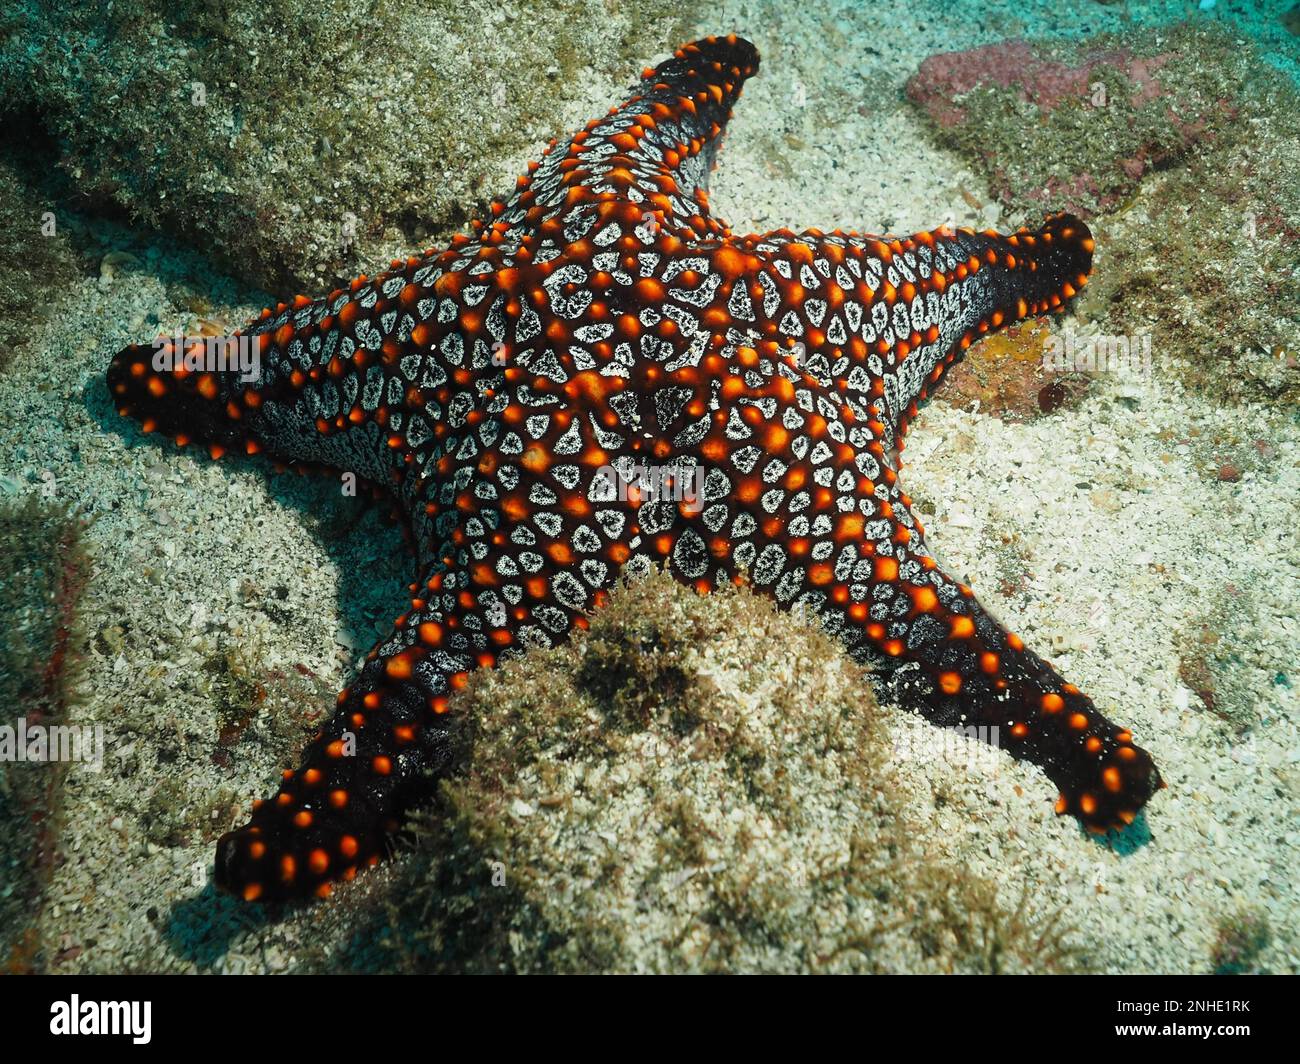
point(352, 139)
point(1103, 112)
point(708, 787)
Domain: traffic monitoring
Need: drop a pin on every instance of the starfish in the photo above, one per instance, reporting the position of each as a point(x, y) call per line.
point(604, 379)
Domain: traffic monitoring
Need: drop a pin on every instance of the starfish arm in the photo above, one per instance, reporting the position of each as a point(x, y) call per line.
point(958, 666)
point(970, 672)
point(955, 664)
point(884, 318)
point(533, 535)
point(654, 151)
point(798, 491)
point(377, 756)
point(368, 379)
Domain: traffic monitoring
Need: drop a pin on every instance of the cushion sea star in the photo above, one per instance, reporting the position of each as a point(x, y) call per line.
point(539, 397)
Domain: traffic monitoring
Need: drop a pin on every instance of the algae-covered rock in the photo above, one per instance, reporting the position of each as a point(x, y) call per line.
point(1075, 125)
point(693, 785)
point(35, 259)
point(1185, 144)
point(298, 140)
point(42, 573)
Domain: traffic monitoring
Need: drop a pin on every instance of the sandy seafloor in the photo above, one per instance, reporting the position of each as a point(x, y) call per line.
point(1125, 542)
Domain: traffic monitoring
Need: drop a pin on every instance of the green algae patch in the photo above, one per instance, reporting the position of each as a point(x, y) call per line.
point(1180, 145)
point(300, 142)
point(42, 573)
point(694, 785)
point(1242, 937)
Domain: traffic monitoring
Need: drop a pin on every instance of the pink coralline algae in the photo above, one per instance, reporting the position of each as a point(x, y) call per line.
point(1007, 65)
point(1110, 113)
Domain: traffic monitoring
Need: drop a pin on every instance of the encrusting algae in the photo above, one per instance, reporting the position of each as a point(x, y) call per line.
point(658, 797)
point(43, 570)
